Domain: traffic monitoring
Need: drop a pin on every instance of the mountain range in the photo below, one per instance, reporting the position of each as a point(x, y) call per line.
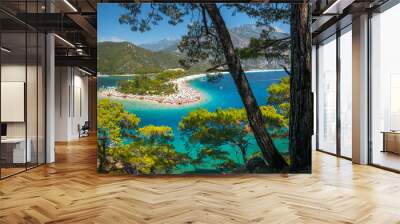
point(162, 45)
point(240, 36)
point(126, 57)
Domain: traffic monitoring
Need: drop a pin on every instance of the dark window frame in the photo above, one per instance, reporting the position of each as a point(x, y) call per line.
point(30, 30)
point(339, 32)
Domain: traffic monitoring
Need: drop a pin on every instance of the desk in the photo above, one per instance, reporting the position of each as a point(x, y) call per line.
point(391, 141)
point(13, 150)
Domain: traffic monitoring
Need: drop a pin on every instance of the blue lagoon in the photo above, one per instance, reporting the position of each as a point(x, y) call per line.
point(219, 94)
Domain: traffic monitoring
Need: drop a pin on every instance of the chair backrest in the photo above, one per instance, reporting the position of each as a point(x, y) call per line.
point(86, 125)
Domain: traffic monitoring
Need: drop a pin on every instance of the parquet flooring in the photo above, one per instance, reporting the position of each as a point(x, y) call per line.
point(10, 171)
point(70, 191)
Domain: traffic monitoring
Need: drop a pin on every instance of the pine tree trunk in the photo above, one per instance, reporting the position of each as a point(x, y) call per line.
point(244, 154)
point(256, 121)
point(301, 99)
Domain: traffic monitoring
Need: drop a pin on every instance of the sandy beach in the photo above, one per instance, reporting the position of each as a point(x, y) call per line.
point(184, 96)
point(185, 93)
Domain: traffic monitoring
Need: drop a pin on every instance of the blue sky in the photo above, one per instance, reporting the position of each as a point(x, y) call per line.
point(109, 28)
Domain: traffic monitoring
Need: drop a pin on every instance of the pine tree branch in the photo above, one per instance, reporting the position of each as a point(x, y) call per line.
point(215, 68)
point(204, 19)
point(286, 69)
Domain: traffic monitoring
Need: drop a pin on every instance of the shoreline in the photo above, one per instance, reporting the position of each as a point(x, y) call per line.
point(252, 70)
point(121, 75)
point(186, 95)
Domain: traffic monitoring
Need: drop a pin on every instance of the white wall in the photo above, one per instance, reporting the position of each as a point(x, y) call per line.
point(71, 102)
point(62, 82)
point(80, 110)
point(12, 73)
point(33, 126)
point(17, 73)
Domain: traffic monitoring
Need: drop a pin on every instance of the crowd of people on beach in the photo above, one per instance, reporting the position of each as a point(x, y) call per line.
point(184, 95)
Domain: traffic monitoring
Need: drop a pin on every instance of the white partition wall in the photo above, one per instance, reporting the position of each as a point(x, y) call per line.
point(12, 98)
point(71, 102)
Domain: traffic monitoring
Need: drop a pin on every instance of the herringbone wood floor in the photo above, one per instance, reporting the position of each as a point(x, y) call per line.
point(70, 191)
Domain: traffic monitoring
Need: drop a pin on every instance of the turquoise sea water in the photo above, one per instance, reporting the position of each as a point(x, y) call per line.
point(221, 94)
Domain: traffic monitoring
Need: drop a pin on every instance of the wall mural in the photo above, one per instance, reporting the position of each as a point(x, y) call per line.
point(177, 84)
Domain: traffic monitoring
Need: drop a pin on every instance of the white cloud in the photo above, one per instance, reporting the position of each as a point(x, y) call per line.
point(278, 29)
